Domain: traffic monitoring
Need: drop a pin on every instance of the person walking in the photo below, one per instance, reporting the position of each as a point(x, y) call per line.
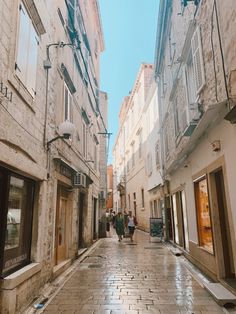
point(119, 225)
point(132, 222)
point(108, 218)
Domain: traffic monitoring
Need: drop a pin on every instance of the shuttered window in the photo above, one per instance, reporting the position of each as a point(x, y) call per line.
point(27, 51)
point(67, 104)
point(198, 60)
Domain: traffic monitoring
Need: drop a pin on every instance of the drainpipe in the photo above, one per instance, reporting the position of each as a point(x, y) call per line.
point(221, 53)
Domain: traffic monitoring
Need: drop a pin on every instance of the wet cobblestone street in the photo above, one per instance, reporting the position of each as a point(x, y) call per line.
point(124, 277)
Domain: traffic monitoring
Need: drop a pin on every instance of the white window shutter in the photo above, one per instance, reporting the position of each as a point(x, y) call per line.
point(70, 102)
point(198, 60)
point(23, 43)
point(66, 102)
point(27, 52)
point(32, 62)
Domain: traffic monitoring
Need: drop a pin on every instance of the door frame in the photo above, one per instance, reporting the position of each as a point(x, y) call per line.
point(218, 234)
point(60, 196)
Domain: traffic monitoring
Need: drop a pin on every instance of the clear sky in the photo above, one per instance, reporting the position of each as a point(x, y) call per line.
point(129, 28)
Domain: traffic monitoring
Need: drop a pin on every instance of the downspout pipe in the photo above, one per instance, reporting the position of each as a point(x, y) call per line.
point(221, 52)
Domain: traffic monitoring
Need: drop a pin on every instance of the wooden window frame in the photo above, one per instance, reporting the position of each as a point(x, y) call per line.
point(17, 257)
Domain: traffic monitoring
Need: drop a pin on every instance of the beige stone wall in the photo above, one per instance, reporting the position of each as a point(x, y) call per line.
point(22, 135)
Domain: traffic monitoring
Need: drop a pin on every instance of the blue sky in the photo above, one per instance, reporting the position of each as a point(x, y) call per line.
point(129, 28)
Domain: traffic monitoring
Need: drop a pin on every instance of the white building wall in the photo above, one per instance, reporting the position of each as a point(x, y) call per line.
point(187, 155)
point(129, 164)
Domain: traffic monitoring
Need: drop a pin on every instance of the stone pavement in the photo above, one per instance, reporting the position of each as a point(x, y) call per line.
point(124, 277)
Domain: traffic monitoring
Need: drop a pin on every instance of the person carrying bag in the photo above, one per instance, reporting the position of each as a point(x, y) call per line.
point(132, 223)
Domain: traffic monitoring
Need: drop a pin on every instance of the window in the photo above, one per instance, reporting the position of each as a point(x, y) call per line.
point(140, 144)
point(133, 156)
point(149, 164)
point(155, 209)
point(151, 209)
point(176, 117)
point(84, 140)
point(166, 141)
point(127, 163)
point(197, 60)
point(16, 220)
point(129, 201)
point(157, 157)
point(185, 220)
point(203, 214)
point(95, 157)
point(27, 52)
point(190, 83)
point(142, 195)
point(175, 218)
point(67, 104)
point(86, 63)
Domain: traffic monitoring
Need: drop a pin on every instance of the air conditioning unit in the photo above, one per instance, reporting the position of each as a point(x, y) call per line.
point(80, 179)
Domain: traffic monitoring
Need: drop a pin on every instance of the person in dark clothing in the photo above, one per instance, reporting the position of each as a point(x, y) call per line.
point(119, 225)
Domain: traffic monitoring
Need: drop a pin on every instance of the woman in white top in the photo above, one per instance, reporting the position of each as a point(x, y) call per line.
point(131, 222)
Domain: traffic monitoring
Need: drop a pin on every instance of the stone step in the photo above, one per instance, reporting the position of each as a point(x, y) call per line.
point(220, 293)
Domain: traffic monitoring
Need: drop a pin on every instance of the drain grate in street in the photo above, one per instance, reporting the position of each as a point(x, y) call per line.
point(95, 266)
point(131, 243)
point(153, 248)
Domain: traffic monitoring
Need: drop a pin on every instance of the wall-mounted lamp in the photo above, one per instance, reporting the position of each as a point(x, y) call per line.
point(215, 146)
point(47, 64)
point(66, 128)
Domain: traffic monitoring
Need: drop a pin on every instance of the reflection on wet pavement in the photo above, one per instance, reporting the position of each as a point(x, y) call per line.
point(142, 278)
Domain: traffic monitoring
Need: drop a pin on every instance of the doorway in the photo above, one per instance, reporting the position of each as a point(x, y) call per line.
point(81, 219)
point(94, 218)
point(219, 204)
point(184, 220)
point(61, 230)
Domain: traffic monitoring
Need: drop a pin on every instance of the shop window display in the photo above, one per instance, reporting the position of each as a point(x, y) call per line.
point(203, 214)
point(16, 208)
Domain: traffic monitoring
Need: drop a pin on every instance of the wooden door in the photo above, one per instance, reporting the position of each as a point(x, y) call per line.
point(219, 204)
point(61, 230)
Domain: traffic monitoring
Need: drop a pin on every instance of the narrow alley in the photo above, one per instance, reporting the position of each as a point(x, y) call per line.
point(138, 277)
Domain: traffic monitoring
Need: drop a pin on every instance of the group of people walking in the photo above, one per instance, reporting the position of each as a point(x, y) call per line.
point(123, 223)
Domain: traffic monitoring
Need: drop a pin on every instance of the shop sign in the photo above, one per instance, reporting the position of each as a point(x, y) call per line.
point(65, 171)
point(15, 260)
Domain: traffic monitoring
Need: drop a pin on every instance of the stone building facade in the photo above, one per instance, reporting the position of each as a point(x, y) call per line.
point(104, 143)
point(109, 187)
point(195, 71)
point(131, 160)
point(49, 182)
point(153, 151)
